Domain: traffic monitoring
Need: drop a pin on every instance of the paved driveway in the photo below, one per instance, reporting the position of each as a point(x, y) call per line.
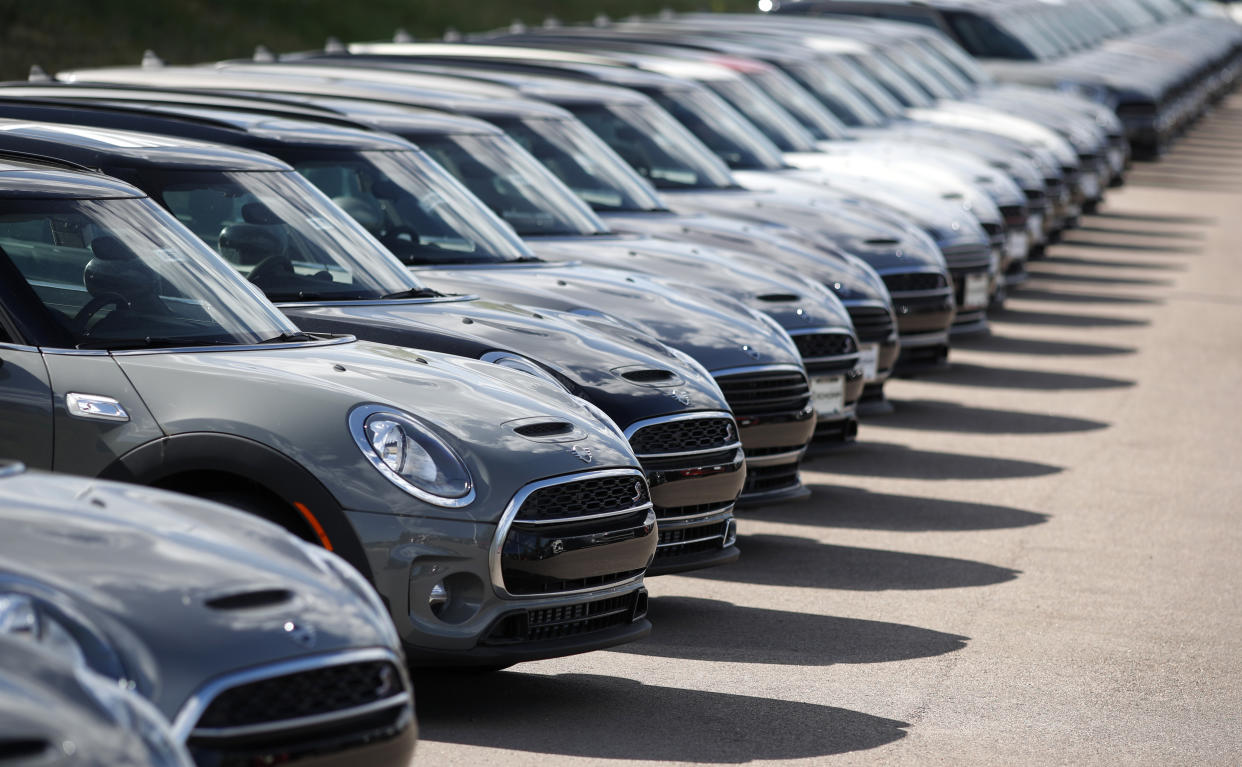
point(1037, 559)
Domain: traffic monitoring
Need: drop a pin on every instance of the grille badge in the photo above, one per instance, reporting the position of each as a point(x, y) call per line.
point(387, 682)
point(302, 634)
point(681, 396)
point(584, 453)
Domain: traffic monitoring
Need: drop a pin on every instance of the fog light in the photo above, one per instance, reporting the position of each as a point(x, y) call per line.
point(730, 536)
point(438, 598)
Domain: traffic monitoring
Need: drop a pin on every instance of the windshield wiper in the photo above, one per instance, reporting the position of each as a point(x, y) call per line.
point(288, 338)
point(413, 293)
point(526, 260)
point(151, 342)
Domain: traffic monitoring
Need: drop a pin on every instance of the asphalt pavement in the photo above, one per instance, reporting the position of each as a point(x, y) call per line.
point(1036, 559)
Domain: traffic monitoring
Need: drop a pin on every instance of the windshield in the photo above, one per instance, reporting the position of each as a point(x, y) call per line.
point(718, 125)
point(864, 84)
point(584, 163)
point(512, 183)
point(894, 81)
point(413, 206)
point(656, 145)
point(836, 95)
point(124, 274)
point(794, 99)
point(282, 234)
point(766, 115)
point(950, 53)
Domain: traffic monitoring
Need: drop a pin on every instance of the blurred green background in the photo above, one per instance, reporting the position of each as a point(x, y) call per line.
point(60, 34)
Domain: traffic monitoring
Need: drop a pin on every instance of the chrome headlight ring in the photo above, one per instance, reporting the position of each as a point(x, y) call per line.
point(411, 456)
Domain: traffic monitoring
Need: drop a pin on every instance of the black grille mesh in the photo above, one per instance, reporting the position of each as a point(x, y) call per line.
point(912, 281)
point(684, 436)
point(812, 345)
point(565, 621)
point(306, 693)
point(871, 323)
point(766, 392)
point(586, 497)
point(764, 479)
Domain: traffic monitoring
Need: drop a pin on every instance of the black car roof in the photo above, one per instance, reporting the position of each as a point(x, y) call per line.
point(25, 179)
point(254, 130)
point(97, 147)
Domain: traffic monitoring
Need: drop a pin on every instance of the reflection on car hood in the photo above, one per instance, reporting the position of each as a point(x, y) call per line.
point(713, 329)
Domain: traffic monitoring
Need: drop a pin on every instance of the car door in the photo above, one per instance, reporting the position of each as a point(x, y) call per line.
point(25, 404)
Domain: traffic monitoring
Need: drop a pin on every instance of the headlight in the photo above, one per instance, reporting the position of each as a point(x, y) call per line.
point(22, 617)
point(411, 456)
point(518, 362)
point(335, 565)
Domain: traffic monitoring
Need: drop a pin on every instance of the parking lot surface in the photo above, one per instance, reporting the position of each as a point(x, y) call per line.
point(1035, 560)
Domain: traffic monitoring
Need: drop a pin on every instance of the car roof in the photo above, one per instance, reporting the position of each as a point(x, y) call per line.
point(41, 179)
point(96, 147)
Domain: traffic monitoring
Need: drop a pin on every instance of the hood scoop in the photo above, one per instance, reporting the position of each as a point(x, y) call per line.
point(645, 376)
point(779, 298)
point(250, 600)
point(544, 429)
point(879, 242)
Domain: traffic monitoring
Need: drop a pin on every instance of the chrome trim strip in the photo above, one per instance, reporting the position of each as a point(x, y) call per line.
point(510, 514)
point(18, 347)
point(924, 339)
point(903, 270)
point(820, 331)
point(718, 537)
point(834, 358)
point(336, 340)
point(695, 416)
point(687, 453)
point(723, 512)
point(775, 458)
point(587, 518)
point(444, 299)
point(866, 303)
point(200, 699)
point(357, 430)
point(786, 368)
point(947, 290)
point(305, 721)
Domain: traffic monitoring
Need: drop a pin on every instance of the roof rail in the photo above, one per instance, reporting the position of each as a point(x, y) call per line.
point(42, 159)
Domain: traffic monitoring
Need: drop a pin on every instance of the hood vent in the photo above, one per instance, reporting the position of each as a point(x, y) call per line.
point(880, 241)
point(23, 748)
point(779, 297)
point(649, 376)
point(249, 600)
point(544, 429)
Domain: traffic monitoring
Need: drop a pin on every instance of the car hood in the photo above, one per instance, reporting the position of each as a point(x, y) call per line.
point(157, 574)
point(715, 330)
point(472, 405)
point(821, 214)
point(782, 295)
point(593, 362)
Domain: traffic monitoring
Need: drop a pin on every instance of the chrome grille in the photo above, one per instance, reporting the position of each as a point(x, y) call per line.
point(767, 391)
point(684, 436)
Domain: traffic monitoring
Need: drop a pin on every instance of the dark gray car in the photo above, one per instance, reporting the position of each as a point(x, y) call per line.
point(121, 582)
point(490, 509)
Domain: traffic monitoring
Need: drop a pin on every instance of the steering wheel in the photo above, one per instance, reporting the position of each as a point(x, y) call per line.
point(272, 266)
point(93, 307)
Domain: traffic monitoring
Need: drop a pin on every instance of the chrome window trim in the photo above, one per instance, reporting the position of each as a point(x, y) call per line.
point(515, 505)
point(202, 698)
point(18, 347)
point(306, 721)
point(445, 299)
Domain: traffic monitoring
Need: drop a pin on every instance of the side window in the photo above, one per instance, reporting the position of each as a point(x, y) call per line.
point(5, 338)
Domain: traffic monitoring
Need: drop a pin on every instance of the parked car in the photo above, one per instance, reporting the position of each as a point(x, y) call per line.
point(328, 275)
point(57, 713)
point(294, 655)
point(498, 517)
point(754, 360)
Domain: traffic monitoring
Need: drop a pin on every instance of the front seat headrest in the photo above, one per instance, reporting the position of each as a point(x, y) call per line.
point(117, 270)
point(248, 244)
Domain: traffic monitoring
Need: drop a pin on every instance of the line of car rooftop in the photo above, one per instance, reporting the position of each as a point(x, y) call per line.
point(426, 354)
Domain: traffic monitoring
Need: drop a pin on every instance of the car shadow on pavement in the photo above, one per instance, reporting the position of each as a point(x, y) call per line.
point(784, 560)
point(1169, 233)
point(967, 374)
point(994, 342)
point(1081, 297)
point(697, 629)
point(606, 717)
point(937, 415)
point(1078, 242)
point(1093, 279)
point(857, 508)
point(1062, 319)
point(1159, 219)
point(1059, 258)
point(885, 459)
